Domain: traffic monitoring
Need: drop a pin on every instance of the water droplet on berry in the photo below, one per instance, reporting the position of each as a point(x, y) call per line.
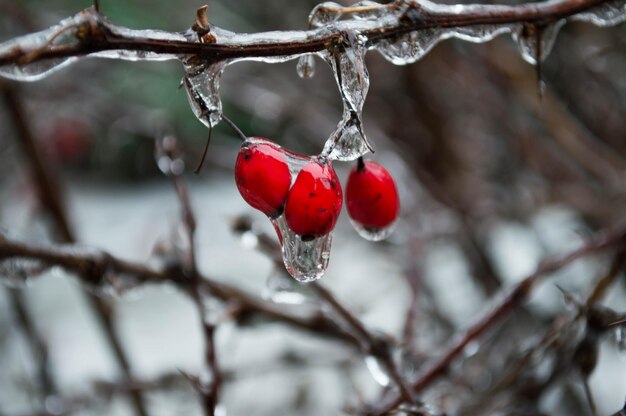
point(373, 234)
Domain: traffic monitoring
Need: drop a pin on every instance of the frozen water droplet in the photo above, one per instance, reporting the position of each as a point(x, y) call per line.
point(280, 288)
point(347, 61)
point(308, 260)
point(620, 340)
point(373, 234)
point(534, 41)
point(167, 156)
point(377, 370)
point(411, 47)
point(202, 83)
point(607, 14)
point(306, 66)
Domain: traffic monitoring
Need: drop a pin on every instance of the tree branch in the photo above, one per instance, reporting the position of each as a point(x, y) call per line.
point(515, 297)
point(95, 33)
point(92, 267)
point(49, 196)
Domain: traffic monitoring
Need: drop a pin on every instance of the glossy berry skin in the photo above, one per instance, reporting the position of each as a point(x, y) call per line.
point(262, 175)
point(314, 201)
point(371, 196)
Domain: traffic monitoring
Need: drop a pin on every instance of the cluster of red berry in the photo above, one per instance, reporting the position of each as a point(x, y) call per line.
point(312, 204)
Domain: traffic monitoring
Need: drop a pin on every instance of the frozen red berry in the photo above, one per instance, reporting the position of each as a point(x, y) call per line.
point(314, 202)
point(262, 175)
point(371, 196)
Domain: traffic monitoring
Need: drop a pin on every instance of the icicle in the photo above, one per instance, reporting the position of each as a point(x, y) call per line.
point(306, 66)
point(348, 142)
point(202, 83)
point(534, 42)
point(607, 14)
point(306, 261)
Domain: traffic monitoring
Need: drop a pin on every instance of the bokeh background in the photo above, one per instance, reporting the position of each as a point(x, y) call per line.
point(492, 180)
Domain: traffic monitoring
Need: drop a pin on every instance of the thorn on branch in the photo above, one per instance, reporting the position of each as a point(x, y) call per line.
point(202, 26)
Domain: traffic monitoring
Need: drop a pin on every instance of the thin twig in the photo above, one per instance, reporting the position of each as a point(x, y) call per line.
point(376, 346)
point(605, 282)
point(47, 383)
point(90, 266)
point(211, 397)
point(515, 297)
point(49, 193)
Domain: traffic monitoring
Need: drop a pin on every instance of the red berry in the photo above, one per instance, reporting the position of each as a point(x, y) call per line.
point(70, 140)
point(262, 175)
point(371, 196)
point(314, 202)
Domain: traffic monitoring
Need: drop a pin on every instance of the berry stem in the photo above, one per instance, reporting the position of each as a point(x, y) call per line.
point(205, 151)
point(233, 126)
point(360, 164)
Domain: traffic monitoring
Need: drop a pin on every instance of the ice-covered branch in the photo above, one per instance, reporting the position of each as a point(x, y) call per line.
point(104, 272)
point(403, 31)
point(437, 367)
point(90, 33)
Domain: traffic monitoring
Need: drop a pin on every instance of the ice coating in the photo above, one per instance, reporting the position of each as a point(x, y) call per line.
point(324, 14)
point(63, 33)
point(329, 16)
point(306, 261)
point(202, 83)
point(411, 47)
point(373, 234)
point(348, 142)
point(536, 42)
point(607, 14)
